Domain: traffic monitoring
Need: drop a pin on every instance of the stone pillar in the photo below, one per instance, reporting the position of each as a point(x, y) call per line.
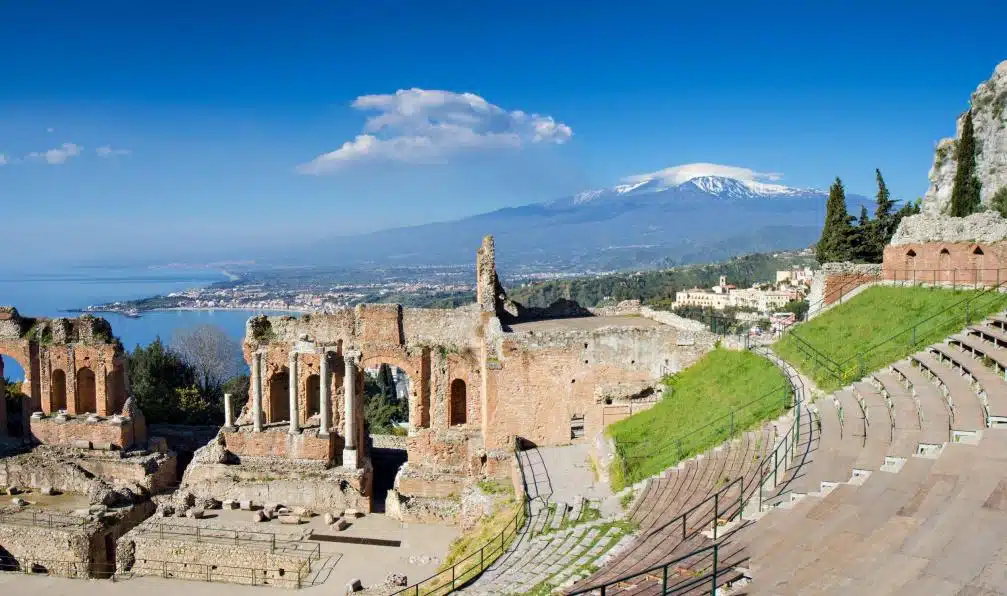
point(228, 411)
point(257, 392)
point(349, 409)
point(295, 426)
point(324, 406)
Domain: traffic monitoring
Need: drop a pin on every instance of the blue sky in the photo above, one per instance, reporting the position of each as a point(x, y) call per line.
point(188, 130)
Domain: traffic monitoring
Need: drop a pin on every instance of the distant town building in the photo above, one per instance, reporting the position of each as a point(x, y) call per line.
point(795, 276)
point(723, 295)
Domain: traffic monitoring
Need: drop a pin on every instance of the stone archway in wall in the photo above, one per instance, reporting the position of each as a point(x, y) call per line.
point(87, 392)
point(313, 395)
point(279, 396)
point(57, 390)
point(458, 403)
point(944, 264)
point(977, 259)
point(416, 368)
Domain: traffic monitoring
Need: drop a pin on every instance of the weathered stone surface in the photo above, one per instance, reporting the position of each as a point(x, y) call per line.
point(18, 502)
point(49, 491)
point(989, 120)
point(353, 585)
point(329, 519)
point(259, 516)
point(246, 505)
point(229, 504)
point(341, 524)
point(13, 490)
point(986, 227)
point(289, 519)
point(194, 513)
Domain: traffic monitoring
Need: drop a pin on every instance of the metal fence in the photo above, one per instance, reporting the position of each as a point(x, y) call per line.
point(43, 519)
point(466, 570)
point(704, 565)
point(725, 427)
point(855, 367)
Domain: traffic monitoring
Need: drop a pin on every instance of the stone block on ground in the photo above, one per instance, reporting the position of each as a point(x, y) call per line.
point(259, 516)
point(396, 579)
point(49, 491)
point(351, 513)
point(82, 444)
point(13, 490)
point(229, 504)
point(353, 585)
point(303, 511)
point(245, 505)
point(329, 519)
point(195, 513)
point(292, 520)
point(19, 502)
point(341, 524)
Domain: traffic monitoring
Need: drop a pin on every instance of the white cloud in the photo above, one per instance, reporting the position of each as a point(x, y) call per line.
point(425, 126)
point(108, 151)
point(683, 173)
point(58, 155)
point(3, 159)
point(50, 129)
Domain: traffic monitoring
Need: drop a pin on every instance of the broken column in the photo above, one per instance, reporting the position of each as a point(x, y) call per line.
point(323, 394)
point(295, 426)
point(257, 392)
point(228, 411)
point(349, 409)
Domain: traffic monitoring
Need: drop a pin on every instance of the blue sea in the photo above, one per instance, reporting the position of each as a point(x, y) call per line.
point(52, 294)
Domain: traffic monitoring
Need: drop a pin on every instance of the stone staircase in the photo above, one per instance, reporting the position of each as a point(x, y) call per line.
point(905, 491)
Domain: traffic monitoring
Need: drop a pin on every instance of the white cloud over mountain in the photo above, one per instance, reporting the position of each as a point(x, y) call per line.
point(427, 126)
point(678, 174)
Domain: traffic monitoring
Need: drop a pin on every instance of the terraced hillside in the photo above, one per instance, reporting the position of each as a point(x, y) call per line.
point(904, 491)
point(879, 326)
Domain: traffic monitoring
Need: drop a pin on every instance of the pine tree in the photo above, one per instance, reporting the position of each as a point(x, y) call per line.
point(884, 200)
point(965, 193)
point(834, 243)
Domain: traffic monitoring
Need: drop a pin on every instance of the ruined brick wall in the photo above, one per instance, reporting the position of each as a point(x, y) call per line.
point(281, 444)
point(946, 262)
point(27, 544)
point(174, 551)
point(63, 368)
point(100, 434)
point(541, 384)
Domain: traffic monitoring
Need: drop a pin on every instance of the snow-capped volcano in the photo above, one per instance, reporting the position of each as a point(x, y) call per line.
point(722, 187)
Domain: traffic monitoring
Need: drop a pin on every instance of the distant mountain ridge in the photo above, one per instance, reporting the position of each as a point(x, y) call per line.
point(646, 222)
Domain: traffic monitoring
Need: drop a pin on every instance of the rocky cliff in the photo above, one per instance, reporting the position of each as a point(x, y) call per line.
point(989, 118)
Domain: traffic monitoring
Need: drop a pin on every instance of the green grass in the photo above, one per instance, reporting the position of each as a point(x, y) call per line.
point(695, 413)
point(874, 329)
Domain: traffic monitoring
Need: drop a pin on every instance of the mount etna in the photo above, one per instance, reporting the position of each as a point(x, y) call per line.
point(648, 222)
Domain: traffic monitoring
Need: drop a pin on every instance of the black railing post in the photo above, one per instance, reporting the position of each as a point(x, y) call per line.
point(664, 580)
point(713, 587)
point(716, 512)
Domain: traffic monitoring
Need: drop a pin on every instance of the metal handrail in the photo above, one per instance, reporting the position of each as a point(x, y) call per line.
point(843, 372)
point(787, 444)
point(43, 519)
point(481, 559)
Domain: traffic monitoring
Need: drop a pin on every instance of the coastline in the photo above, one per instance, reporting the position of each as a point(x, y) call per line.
point(95, 311)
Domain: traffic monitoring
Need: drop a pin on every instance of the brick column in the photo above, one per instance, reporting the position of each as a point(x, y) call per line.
point(295, 426)
point(324, 415)
point(349, 409)
point(257, 392)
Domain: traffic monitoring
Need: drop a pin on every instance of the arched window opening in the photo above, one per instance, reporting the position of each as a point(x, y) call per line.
point(313, 396)
point(279, 396)
point(57, 399)
point(459, 405)
point(87, 398)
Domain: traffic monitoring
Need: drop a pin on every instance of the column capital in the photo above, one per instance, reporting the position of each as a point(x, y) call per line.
point(351, 356)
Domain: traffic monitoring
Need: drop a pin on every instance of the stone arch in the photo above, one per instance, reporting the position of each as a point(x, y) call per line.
point(976, 263)
point(279, 395)
point(313, 395)
point(944, 264)
point(57, 391)
point(87, 391)
point(910, 261)
point(458, 408)
point(417, 370)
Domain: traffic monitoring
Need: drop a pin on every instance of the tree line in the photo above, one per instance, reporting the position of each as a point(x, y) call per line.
point(861, 240)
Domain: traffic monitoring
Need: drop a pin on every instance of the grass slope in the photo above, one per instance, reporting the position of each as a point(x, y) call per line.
point(874, 329)
point(695, 413)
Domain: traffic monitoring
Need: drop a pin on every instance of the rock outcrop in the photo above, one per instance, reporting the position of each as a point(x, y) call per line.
point(985, 228)
point(989, 117)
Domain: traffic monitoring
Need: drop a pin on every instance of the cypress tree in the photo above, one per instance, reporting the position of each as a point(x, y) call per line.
point(965, 193)
point(883, 226)
point(834, 243)
point(884, 199)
